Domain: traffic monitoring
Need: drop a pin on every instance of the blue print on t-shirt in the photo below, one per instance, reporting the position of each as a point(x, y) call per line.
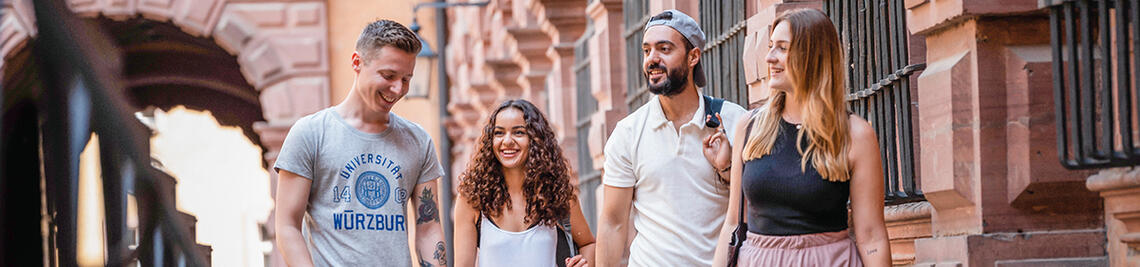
point(372, 189)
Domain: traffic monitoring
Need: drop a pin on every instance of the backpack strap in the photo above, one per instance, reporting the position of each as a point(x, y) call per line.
point(747, 133)
point(712, 107)
point(565, 223)
point(565, 247)
point(478, 229)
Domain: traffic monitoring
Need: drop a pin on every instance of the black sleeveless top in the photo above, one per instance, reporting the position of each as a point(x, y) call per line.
point(783, 200)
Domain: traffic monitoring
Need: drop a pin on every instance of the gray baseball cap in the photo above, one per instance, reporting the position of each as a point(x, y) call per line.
point(688, 28)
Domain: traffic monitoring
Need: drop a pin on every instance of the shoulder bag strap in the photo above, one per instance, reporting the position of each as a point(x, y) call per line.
point(478, 229)
point(565, 247)
point(747, 134)
point(712, 107)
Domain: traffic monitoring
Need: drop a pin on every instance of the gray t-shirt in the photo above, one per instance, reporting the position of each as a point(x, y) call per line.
point(362, 183)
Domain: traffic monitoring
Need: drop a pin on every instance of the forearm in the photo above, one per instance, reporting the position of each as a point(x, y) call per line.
point(292, 246)
point(587, 252)
point(429, 233)
point(720, 258)
point(429, 244)
point(874, 248)
point(611, 245)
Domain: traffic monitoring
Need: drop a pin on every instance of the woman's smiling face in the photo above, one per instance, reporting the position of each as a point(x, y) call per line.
point(510, 140)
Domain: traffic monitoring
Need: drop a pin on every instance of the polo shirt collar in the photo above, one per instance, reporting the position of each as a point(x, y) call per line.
point(657, 113)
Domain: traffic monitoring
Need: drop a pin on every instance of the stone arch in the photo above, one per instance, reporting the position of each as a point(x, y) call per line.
point(281, 46)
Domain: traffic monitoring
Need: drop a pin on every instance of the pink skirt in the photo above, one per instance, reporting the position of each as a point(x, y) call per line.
point(822, 249)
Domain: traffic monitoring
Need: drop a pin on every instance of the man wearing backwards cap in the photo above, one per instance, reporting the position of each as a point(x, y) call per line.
point(658, 154)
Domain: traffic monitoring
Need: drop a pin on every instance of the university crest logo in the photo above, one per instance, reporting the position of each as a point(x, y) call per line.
point(372, 189)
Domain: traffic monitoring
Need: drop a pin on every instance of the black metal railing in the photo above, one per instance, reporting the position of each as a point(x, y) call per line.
point(78, 94)
point(588, 177)
point(1093, 91)
point(875, 40)
point(636, 14)
point(724, 23)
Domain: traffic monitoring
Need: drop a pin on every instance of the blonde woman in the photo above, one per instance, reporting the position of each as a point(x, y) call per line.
point(804, 156)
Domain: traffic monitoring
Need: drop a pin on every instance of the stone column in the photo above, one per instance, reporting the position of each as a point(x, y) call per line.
point(564, 22)
point(988, 160)
point(1120, 188)
point(607, 80)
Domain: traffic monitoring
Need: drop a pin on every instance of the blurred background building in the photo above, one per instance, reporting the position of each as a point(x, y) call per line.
point(1008, 128)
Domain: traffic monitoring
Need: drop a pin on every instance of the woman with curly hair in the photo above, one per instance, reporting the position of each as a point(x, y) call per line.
point(515, 196)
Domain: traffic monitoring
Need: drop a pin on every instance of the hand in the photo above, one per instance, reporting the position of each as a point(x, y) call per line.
point(577, 261)
point(716, 147)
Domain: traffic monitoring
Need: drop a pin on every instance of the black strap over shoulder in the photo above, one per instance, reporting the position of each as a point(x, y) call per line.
point(743, 205)
point(479, 229)
point(566, 247)
point(712, 107)
point(740, 234)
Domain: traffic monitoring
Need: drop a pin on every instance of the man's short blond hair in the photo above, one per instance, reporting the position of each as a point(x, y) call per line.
point(381, 33)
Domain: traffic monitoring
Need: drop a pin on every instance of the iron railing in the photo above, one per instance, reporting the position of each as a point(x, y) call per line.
point(79, 94)
point(875, 40)
point(1094, 115)
point(588, 177)
point(724, 25)
point(636, 14)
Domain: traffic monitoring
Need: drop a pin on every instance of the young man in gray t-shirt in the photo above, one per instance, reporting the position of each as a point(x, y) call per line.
point(348, 172)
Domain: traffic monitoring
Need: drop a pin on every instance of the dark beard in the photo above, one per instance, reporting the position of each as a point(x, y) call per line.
point(675, 80)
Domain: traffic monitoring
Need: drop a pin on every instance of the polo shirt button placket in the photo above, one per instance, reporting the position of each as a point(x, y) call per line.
point(677, 146)
point(680, 139)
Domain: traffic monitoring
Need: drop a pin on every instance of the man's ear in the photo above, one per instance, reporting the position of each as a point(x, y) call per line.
point(357, 61)
point(694, 57)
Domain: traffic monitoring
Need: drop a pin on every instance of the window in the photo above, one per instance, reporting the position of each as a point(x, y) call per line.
point(1090, 43)
point(636, 13)
point(588, 177)
point(724, 24)
point(875, 40)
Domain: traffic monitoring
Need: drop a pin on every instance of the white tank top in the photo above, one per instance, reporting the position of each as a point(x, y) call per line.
point(532, 247)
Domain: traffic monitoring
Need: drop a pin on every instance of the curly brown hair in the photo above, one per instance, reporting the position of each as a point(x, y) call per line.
point(547, 184)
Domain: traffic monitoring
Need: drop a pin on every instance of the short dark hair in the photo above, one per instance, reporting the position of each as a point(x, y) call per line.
point(384, 32)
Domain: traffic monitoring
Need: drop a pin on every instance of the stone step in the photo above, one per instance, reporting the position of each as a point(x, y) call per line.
point(1056, 262)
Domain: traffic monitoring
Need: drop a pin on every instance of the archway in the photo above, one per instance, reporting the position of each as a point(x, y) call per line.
point(276, 68)
point(280, 46)
point(165, 67)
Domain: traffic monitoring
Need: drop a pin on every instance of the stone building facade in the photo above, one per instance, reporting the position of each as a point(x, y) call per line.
point(987, 188)
point(981, 186)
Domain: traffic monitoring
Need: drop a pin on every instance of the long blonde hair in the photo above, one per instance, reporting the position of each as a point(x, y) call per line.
point(815, 69)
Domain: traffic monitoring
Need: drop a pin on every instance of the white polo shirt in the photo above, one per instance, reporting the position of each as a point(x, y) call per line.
point(678, 204)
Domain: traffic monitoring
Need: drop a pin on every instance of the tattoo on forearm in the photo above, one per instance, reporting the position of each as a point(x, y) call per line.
point(424, 263)
point(441, 253)
point(872, 251)
point(427, 211)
